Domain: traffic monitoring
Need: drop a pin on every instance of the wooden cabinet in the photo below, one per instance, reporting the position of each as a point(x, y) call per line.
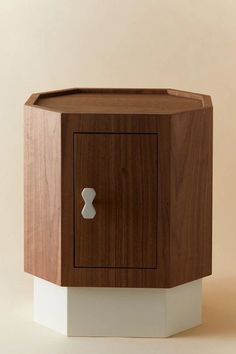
point(146, 155)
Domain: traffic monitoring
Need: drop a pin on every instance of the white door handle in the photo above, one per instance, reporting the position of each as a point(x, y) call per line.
point(88, 211)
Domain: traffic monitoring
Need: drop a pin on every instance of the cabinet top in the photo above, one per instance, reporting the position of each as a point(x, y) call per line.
point(118, 101)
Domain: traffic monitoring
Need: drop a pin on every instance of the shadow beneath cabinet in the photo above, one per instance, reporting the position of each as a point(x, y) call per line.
point(219, 310)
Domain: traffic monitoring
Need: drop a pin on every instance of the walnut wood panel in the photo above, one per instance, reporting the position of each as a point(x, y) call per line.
point(42, 190)
point(120, 103)
point(122, 168)
point(72, 276)
point(191, 196)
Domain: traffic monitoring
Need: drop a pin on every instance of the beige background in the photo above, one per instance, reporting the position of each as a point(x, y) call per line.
point(52, 44)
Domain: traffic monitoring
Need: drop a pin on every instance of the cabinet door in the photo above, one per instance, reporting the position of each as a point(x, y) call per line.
point(122, 169)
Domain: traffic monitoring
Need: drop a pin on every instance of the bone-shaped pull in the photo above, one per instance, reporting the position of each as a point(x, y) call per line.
point(88, 211)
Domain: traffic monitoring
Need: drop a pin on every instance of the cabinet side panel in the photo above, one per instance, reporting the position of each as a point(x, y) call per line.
point(42, 194)
point(191, 196)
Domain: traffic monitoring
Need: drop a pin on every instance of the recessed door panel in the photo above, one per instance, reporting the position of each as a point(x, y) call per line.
point(115, 200)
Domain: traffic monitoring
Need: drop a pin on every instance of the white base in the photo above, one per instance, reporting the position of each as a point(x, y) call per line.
point(117, 312)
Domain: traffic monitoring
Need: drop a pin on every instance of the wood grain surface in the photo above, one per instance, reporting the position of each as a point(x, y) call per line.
point(191, 196)
point(121, 124)
point(42, 190)
point(55, 246)
point(120, 103)
point(122, 168)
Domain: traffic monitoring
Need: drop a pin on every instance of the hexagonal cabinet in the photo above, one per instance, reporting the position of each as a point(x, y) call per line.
point(118, 194)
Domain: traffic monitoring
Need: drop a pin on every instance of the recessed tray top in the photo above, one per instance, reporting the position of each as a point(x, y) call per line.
point(150, 101)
